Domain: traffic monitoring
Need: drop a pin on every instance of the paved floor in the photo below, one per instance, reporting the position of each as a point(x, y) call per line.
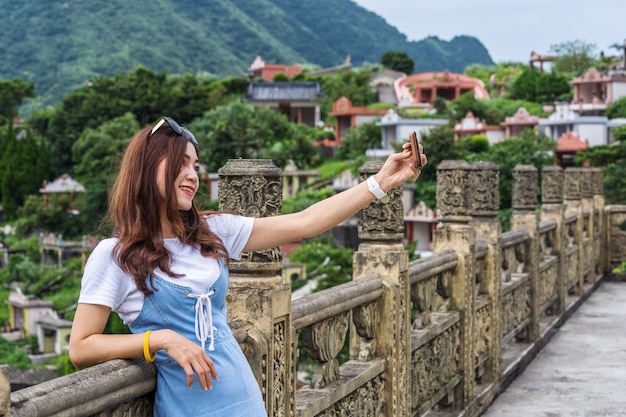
point(582, 369)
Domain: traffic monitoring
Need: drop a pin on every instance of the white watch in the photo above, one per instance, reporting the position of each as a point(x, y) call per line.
point(375, 189)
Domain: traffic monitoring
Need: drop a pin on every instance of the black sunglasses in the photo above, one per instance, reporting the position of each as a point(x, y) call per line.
point(180, 131)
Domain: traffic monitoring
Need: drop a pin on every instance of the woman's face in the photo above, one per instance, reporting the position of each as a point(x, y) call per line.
point(186, 183)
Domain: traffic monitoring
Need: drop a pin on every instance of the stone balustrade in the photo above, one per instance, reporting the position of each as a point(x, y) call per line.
point(440, 335)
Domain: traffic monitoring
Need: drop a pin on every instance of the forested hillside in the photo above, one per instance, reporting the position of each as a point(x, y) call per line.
point(60, 46)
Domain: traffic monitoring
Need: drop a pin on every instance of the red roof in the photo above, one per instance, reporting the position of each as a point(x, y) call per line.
point(571, 142)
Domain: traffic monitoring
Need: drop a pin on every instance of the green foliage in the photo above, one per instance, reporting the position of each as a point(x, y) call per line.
point(357, 140)
point(474, 144)
point(574, 57)
point(14, 353)
point(56, 216)
point(528, 148)
point(304, 199)
point(498, 79)
point(468, 103)
point(23, 167)
point(12, 95)
point(351, 84)
point(616, 109)
point(537, 87)
point(239, 130)
point(327, 264)
point(97, 153)
point(220, 36)
point(398, 61)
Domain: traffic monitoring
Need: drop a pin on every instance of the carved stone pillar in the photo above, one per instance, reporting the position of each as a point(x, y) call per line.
point(381, 254)
point(454, 209)
point(485, 206)
point(573, 204)
point(524, 216)
point(599, 202)
point(257, 297)
point(552, 180)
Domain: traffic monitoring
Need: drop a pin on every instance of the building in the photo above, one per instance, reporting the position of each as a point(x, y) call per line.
point(470, 125)
point(419, 90)
point(259, 69)
point(566, 148)
point(383, 83)
point(520, 121)
point(395, 129)
point(348, 116)
point(61, 185)
point(593, 129)
point(299, 101)
point(594, 91)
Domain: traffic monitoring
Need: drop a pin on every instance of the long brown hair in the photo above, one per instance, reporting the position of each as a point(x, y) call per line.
point(136, 208)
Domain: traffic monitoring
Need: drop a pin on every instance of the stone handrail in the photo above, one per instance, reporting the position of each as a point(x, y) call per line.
point(443, 334)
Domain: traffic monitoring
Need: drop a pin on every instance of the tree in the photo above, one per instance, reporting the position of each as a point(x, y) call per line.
point(616, 109)
point(398, 61)
point(357, 140)
point(96, 154)
point(574, 57)
point(542, 88)
point(12, 94)
point(351, 84)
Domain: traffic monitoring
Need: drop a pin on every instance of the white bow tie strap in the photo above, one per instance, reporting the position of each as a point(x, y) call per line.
point(204, 318)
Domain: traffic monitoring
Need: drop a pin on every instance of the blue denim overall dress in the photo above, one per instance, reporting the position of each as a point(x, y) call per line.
point(202, 318)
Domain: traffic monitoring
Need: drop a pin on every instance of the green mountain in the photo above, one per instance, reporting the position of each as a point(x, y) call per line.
point(62, 45)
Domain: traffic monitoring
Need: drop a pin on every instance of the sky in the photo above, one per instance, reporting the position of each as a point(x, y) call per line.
point(510, 30)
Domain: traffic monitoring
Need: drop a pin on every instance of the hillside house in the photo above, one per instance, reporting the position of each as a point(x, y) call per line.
point(395, 129)
point(299, 101)
point(348, 116)
point(566, 148)
point(259, 69)
point(593, 129)
point(520, 121)
point(419, 90)
point(470, 125)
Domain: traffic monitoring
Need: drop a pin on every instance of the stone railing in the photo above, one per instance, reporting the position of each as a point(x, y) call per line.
point(441, 335)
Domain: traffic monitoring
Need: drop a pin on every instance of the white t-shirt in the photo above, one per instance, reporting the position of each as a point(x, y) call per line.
point(105, 283)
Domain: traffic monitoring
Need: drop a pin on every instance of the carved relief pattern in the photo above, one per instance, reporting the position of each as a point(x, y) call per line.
point(524, 194)
point(572, 184)
point(255, 196)
point(401, 353)
point(365, 318)
point(433, 365)
point(586, 184)
point(515, 307)
point(512, 261)
point(481, 267)
point(571, 265)
point(280, 371)
point(552, 185)
point(324, 341)
point(547, 283)
point(383, 220)
point(452, 198)
point(485, 192)
point(597, 181)
point(617, 238)
point(481, 336)
point(423, 296)
point(430, 295)
point(366, 401)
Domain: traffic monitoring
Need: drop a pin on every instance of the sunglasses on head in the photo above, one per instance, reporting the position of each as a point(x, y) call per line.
point(175, 127)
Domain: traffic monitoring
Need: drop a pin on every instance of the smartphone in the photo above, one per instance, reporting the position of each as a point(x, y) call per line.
point(415, 149)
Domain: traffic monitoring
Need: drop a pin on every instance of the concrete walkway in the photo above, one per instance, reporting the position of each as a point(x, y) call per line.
point(582, 369)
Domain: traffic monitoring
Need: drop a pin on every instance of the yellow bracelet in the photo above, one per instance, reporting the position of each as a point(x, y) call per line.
point(146, 347)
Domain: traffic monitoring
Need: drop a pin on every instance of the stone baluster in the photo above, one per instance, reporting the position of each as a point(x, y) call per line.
point(258, 298)
point(599, 202)
point(573, 197)
point(382, 254)
point(552, 208)
point(454, 209)
point(485, 196)
point(588, 223)
point(5, 392)
point(524, 216)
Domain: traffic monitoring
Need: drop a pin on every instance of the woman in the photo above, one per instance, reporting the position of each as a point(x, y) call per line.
point(165, 273)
